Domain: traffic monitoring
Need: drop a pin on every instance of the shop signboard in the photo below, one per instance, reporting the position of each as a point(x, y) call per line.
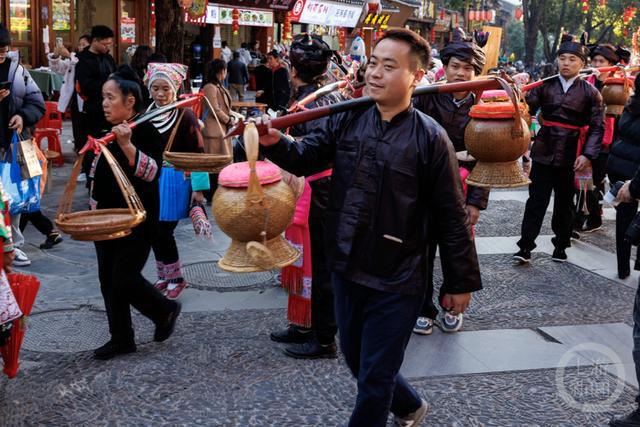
point(247, 17)
point(326, 13)
point(213, 14)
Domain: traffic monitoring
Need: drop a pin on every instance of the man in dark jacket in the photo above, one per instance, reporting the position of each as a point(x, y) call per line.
point(280, 86)
point(395, 182)
point(310, 58)
point(572, 119)
point(95, 64)
point(463, 59)
point(630, 193)
point(238, 76)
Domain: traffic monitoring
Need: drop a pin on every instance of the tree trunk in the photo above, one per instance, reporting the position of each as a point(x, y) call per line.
point(530, 17)
point(169, 30)
point(558, 32)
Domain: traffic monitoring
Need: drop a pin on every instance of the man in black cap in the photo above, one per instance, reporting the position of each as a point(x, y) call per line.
point(310, 57)
point(463, 60)
point(572, 119)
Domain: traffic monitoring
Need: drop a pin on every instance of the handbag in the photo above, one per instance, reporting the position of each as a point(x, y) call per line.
point(175, 189)
point(24, 194)
point(27, 157)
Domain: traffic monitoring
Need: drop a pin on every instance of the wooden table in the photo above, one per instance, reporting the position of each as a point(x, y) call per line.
point(239, 105)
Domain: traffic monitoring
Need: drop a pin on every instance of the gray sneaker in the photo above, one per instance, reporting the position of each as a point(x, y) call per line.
point(424, 326)
point(451, 323)
point(413, 419)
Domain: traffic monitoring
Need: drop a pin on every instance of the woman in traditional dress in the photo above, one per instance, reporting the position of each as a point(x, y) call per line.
point(138, 151)
point(181, 129)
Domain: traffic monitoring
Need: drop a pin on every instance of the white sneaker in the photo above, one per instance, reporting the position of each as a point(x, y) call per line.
point(413, 419)
point(20, 259)
point(82, 177)
point(451, 323)
point(424, 326)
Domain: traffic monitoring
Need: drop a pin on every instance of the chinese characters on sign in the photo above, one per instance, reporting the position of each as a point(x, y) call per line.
point(326, 13)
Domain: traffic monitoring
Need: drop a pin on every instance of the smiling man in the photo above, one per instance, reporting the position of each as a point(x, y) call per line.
point(395, 182)
point(572, 119)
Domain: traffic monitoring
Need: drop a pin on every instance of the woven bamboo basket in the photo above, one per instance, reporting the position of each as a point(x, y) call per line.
point(615, 93)
point(197, 162)
point(102, 224)
point(497, 136)
point(253, 205)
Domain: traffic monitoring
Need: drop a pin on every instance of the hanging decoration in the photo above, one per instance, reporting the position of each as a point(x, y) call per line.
point(486, 15)
point(197, 9)
point(342, 38)
point(433, 35)
point(518, 13)
point(602, 3)
point(286, 27)
point(585, 6)
point(374, 6)
point(235, 26)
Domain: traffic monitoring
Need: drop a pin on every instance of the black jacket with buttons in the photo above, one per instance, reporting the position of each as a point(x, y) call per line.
point(454, 118)
point(395, 187)
point(580, 106)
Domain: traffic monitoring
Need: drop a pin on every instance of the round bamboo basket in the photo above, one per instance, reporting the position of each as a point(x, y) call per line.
point(197, 162)
point(615, 93)
point(101, 224)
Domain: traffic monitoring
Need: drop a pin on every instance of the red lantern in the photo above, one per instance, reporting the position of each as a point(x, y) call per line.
point(442, 14)
point(286, 27)
point(433, 34)
point(602, 3)
point(518, 13)
point(342, 39)
point(235, 26)
point(472, 15)
point(373, 6)
point(585, 6)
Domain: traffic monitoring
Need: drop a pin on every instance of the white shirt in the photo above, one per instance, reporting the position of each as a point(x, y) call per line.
point(226, 54)
point(566, 84)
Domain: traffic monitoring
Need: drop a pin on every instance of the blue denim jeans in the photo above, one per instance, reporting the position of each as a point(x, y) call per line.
point(375, 328)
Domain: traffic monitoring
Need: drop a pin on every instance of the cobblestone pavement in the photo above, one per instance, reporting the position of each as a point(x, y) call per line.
point(221, 369)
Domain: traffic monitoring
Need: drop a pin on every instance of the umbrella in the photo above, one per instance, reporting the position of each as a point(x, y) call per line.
point(24, 288)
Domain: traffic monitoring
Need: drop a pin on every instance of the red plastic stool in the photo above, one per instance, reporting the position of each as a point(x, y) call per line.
point(53, 142)
point(52, 118)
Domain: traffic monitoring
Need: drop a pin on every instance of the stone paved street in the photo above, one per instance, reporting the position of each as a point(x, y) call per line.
point(542, 345)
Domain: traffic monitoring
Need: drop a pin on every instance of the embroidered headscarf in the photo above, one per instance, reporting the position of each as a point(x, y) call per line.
point(174, 74)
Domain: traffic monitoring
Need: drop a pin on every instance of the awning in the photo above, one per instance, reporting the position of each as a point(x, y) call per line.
point(329, 13)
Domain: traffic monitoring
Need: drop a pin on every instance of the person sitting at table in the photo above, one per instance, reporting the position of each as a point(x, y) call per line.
point(63, 62)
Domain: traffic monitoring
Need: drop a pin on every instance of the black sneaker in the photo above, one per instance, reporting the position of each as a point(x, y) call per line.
point(291, 335)
point(523, 256)
point(575, 235)
point(165, 328)
point(559, 255)
point(52, 239)
point(312, 350)
point(632, 419)
point(113, 349)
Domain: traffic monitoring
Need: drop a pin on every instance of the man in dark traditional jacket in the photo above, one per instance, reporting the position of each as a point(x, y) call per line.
point(95, 65)
point(463, 60)
point(310, 58)
point(395, 182)
point(572, 119)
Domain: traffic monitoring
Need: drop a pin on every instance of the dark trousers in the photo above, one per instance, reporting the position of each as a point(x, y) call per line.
point(323, 318)
point(120, 264)
point(544, 179)
point(164, 243)
point(39, 221)
point(429, 309)
point(593, 197)
point(374, 329)
point(625, 212)
point(78, 125)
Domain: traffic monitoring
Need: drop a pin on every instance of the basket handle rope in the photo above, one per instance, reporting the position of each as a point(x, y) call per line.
point(517, 131)
point(128, 192)
point(173, 132)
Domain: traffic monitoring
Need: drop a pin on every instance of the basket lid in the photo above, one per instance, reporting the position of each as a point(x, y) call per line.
point(617, 81)
point(494, 110)
point(237, 174)
point(494, 94)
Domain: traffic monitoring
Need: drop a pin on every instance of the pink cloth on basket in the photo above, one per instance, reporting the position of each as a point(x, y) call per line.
point(237, 174)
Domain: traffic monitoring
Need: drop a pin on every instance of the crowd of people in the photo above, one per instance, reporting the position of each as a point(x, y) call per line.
point(386, 185)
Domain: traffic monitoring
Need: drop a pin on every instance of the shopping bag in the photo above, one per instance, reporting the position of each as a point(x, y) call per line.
point(28, 158)
point(24, 194)
point(175, 194)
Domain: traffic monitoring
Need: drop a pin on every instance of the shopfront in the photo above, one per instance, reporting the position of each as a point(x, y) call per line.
point(36, 23)
point(326, 18)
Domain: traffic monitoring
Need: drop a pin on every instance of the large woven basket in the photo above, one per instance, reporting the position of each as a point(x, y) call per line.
point(102, 224)
point(197, 162)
